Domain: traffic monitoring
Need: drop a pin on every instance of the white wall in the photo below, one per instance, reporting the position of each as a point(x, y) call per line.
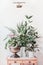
point(10, 16)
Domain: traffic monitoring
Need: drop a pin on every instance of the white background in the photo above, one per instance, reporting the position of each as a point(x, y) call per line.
point(10, 16)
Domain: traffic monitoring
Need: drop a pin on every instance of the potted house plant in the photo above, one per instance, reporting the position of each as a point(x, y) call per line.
point(24, 37)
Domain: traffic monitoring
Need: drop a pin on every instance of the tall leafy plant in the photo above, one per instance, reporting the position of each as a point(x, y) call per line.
point(25, 36)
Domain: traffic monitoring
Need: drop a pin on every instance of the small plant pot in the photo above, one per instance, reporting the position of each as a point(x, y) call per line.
point(14, 51)
point(31, 54)
point(23, 52)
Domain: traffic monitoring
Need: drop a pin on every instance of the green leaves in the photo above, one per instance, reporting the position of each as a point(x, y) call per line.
point(26, 23)
point(22, 28)
point(12, 42)
point(28, 17)
point(25, 34)
point(6, 45)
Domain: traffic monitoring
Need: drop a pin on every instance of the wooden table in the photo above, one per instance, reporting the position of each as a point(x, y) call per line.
point(22, 61)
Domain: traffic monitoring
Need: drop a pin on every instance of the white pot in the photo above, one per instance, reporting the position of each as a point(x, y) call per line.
point(23, 52)
point(31, 54)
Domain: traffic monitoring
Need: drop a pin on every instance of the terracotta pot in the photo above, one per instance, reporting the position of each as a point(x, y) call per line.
point(14, 50)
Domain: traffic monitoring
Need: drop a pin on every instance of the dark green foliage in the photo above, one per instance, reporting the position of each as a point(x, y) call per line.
point(28, 17)
point(26, 35)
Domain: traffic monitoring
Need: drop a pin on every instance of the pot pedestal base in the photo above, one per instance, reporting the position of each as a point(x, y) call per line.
point(15, 56)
